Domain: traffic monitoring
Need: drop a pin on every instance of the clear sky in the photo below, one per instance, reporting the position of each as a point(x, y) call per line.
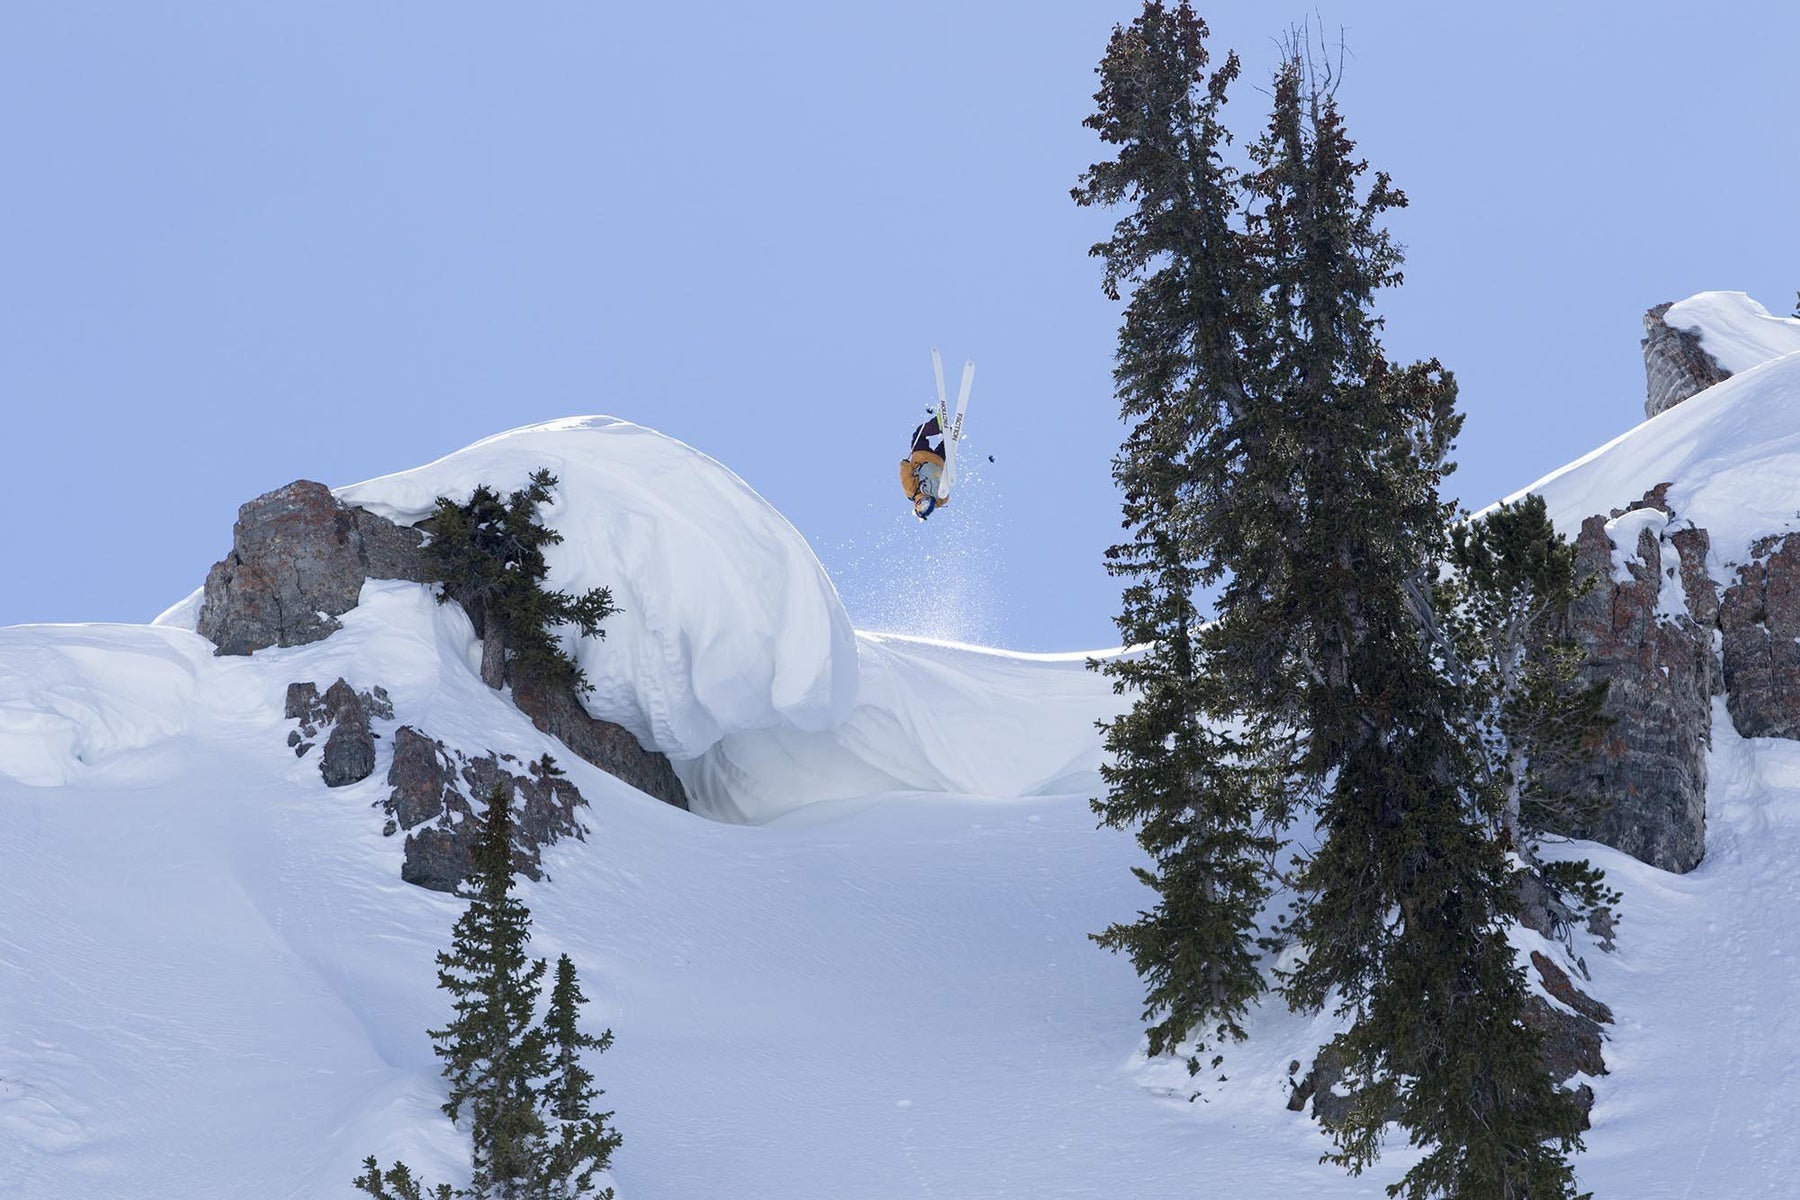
point(242, 244)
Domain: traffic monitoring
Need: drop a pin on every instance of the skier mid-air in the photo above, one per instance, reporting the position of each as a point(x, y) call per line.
point(922, 474)
point(926, 474)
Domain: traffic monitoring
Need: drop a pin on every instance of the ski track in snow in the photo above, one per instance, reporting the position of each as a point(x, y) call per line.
point(877, 985)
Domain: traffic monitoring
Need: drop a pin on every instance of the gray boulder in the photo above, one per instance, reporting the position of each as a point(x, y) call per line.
point(298, 561)
point(350, 750)
point(555, 710)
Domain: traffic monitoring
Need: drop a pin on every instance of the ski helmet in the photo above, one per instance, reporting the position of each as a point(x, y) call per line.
point(924, 504)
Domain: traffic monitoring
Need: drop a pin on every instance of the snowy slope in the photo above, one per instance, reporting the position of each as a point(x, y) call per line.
point(871, 979)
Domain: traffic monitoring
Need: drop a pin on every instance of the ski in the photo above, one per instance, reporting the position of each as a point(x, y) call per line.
point(953, 434)
point(943, 411)
point(937, 369)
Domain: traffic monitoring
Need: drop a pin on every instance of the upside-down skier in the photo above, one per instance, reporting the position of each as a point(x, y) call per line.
point(922, 474)
point(928, 473)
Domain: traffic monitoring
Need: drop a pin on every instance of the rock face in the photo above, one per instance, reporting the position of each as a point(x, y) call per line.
point(1667, 640)
point(298, 561)
point(349, 755)
point(1676, 365)
point(612, 748)
point(1759, 622)
point(435, 797)
point(1649, 636)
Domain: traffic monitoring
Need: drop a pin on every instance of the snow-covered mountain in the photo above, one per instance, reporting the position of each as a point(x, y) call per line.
point(859, 966)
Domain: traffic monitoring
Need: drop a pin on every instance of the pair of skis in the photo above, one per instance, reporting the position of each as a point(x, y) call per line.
point(951, 428)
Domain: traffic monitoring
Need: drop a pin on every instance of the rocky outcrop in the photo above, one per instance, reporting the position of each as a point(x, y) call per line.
point(1646, 629)
point(350, 750)
point(612, 748)
point(1676, 365)
point(1658, 629)
point(349, 755)
point(435, 796)
point(298, 561)
point(1759, 624)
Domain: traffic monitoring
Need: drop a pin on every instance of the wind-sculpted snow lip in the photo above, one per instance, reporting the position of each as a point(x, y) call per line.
point(727, 622)
point(1738, 332)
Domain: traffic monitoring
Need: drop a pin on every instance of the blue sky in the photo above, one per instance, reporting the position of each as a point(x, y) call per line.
point(243, 244)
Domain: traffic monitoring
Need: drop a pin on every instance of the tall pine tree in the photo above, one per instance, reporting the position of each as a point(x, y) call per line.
point(493, 1051)
point(1275, 452)
point(1402, 908)
point(1177, 771)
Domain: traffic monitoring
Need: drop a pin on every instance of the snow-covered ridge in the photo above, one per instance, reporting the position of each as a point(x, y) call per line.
point(1737, 331)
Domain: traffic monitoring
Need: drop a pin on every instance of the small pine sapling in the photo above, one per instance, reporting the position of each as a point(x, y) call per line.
point(492, 1050)
point(579, 1141)
point(397, 1184)
point(488, 554)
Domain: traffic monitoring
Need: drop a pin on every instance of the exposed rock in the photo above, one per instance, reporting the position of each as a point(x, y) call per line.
point(298, 561)
point(1603, 925)
point(350, 750)
point(1760, 622)
point(1659, 664)
point(435, 858)
point(305, 706)
point(1539, 907)
point(1558, 984)
point(421, 776)
point(1330, 1107)
point(437, 793)
point(612, 748)
point(493, 656)
point(1572, 1043)
point(1676, 365)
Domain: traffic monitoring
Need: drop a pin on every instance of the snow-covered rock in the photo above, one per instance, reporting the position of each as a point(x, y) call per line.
point(1738, 332)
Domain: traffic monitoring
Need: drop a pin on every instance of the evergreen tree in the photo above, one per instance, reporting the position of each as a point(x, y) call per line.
point(580, 1142)
point(489, 556)
point(1274, 452)
point(1174, 772)
point(492, 1050)
point(1401, 909)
